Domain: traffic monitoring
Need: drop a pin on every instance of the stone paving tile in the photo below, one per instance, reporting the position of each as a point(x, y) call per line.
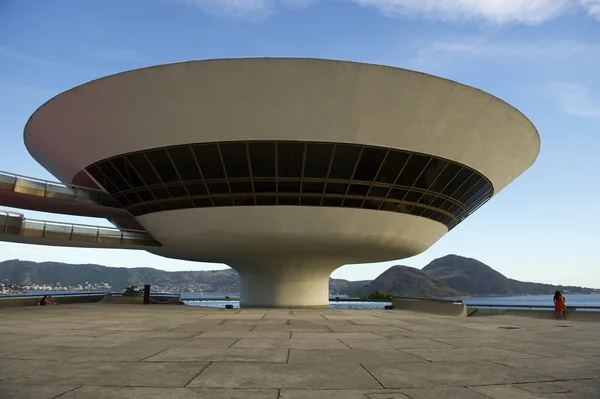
point(12, 367)
point(512, 392)
point(350, 356)
point(245, 334)
point(443, 393)
point(108, 374)
point(323, 394)
point(70, 353)
point(589, 387)
point(466, 354)
point(169, 393)
point(32, 391)
point(412, 375)
point(60, 340)
point(266, 375)
point(334, 335)
point(381, 344)
point(222, 355)
point(153, 334)
point(290, 343)
point(293, 327)
point(557, 368)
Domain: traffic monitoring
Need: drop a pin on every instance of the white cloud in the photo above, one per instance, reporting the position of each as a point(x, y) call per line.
point(574, 99)
point(592, 7)
point(495, 11)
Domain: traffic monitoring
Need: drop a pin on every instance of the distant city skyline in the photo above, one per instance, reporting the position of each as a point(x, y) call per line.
point(539, 56)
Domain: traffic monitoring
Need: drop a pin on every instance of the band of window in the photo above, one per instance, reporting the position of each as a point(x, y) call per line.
point(293, 173)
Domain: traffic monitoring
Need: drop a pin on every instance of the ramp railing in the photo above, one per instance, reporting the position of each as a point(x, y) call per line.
point(49, 189)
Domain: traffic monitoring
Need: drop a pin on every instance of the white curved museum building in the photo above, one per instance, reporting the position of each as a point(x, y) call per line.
point(285, 169)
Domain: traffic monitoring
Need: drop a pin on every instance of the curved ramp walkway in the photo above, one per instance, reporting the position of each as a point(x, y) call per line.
point(24, 192)
point(15, 228)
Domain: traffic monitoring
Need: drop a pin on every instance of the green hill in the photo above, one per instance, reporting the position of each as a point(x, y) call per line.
point(478, 279)
point(410, 282)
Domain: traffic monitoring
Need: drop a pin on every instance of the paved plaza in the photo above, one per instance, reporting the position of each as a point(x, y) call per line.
point(183, 352)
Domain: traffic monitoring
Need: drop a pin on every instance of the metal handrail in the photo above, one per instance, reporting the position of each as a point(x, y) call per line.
point(85, 225)
point(512, 306)
point(8, 213)
point(2, 172)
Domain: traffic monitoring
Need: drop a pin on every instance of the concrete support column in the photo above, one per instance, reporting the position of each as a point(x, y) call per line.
point(285, 283)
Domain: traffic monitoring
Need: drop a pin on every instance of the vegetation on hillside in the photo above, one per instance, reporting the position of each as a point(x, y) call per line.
point(380, 295)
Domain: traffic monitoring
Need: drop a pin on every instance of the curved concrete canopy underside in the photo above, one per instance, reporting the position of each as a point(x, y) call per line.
point(281, 99)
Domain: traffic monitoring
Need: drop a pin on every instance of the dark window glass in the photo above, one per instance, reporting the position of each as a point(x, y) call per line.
point(145, 195)
point(288, 200)
point(445, 177)
point(460, 178)
point(415, 210)
point(185, 204)
point(379, 192)
point(336, 188)
point(202, 202)
point(310, 201)
point(476, 187)
point(121, 199)
point(447, 205)
point(469, 183)
point(352, 203)
point(265, 187)
point(143, 168)
point(196, 189)
point(344, 161)
point(318, 157)
point(243, 200)
point(428, 213)
point(332, 201)
point(262, 157)
point(358, 189)
point(431, 172)
point(289, 159)
point(169, 205)
point(289, 187)
point(127, 172)
point(177, 191)
point(163, 165)
point(218, 188)
point(437, 202)
point(102, 180)
point(185, 163)
point(241, 187)
point(371, 204)
point(235, 159)
point(389, 206)
point(412, 196)
point(397, 193)
point(369, 164)
point(266, 200)
point(392, 166)
point(112, 176)
point(413, 169)
point(160, 193)
point(402, 208)
point(223, 201)
point(155, 207)
point(209, 160)
point(427, 199)
point(311, 187)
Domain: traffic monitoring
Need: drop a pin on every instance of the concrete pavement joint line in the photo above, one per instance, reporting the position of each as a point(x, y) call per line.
point(196, 376)
point(454, 346)
point(235, 342)
point(157, 353)
point(516, 368)
point(417, 356)
point(375, 378)
point(253, 327)
point(329, 328)
point(66, 392)
point(344, 343)
point(482, 394)
point(288, 356)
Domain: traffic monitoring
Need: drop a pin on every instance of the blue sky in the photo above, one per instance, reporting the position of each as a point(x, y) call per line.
point(542, 56)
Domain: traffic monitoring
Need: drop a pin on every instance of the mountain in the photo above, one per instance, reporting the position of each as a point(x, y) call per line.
point(410, 282)
point(478, 279)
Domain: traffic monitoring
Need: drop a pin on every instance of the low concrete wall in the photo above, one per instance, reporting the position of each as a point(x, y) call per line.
point(127, 300)
point(536, 314)
point(16, 302)
point(445, 308)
